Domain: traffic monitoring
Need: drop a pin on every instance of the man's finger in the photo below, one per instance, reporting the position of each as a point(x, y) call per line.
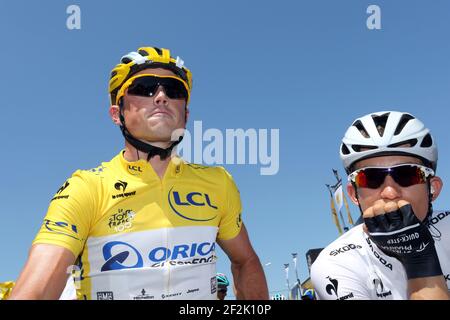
point(391, 206)
point(368, 213)
point(402, 203)
point(378, 208)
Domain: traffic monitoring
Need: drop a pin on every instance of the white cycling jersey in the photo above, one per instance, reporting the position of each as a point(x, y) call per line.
point(353, 267)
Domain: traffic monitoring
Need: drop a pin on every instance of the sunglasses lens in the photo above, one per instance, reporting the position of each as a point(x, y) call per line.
point(370, 178)
point(175, 89)
point(407, 176)
point(148, 86)
point(143, 88)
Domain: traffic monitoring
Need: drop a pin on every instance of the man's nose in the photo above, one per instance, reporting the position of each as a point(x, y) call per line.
point(161, 97)
point(390, 189)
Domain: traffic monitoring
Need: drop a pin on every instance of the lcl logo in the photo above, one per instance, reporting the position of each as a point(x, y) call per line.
point(192, 199)
point(135, 168)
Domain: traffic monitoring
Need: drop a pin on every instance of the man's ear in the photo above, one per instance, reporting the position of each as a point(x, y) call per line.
point(436, 184)
point(114, 113)
point(186, 116)
point(352, 193)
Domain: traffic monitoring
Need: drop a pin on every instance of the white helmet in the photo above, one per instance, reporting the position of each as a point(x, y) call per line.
point(387, 133)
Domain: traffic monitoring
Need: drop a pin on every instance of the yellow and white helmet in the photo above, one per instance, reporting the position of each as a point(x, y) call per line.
point(146, 58)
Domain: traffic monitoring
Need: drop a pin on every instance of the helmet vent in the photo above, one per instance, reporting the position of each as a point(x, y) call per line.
point(344, 149)
point(359, 148)
point(404, 144)
point(402, 123)
point(380, 122)
point(126, 60)
point(358, 124)
point(143, 53)
point(427, 141)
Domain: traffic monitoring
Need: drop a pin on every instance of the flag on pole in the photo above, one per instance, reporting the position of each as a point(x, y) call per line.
point(333, 210)
point(335, 217)
point(286, 268)
point(294, 257)
point(338, 196)
point(340, 199)
point(349, 216)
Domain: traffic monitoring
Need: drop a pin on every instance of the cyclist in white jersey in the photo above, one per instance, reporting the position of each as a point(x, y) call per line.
point(402, 250)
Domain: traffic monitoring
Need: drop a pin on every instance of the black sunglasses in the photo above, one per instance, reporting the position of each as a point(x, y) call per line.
point(148, 86)
point(404, 174)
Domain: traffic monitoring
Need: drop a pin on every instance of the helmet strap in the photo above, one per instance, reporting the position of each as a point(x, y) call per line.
point(430, 198)
point(357, 198)
point(142, 146)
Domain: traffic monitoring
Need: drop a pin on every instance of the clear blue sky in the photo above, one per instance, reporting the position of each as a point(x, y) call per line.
point(307, 68)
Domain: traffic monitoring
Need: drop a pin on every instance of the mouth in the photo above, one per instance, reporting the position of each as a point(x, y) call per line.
point(159, 113)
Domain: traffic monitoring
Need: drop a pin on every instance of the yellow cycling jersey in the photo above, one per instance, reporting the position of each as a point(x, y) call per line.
point(140, 237)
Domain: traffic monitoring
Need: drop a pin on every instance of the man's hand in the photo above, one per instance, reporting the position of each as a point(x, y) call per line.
point(396, 230)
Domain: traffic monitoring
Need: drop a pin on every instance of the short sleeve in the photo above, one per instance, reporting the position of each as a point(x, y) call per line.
point(69, 215)
point(231, 221)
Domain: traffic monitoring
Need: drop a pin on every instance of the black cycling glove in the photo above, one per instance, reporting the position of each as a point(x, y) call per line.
point(401, 235)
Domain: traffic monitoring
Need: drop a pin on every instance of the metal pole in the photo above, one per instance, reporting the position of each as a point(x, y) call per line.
point(298, 286)
point(286, 269)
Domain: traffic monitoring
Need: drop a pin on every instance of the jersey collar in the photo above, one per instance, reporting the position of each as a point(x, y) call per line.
point(142, 169)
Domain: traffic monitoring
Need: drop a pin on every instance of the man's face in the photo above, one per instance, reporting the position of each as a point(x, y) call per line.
point(390, 191)
point(154, 119)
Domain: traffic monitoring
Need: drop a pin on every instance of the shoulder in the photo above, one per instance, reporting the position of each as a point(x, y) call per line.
point(216, 175)
point(100, 171)
point(341, 256)
point(198, 169)
point(340, 271)
point(440, 219)
point(347, 245)
point(439, 226)
point(88, 180)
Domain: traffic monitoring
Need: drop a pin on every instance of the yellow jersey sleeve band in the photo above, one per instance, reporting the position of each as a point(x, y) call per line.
point(134, 232)
point(70, 214)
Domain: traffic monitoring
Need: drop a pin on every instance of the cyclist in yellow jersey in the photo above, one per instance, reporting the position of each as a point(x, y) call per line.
point(144, 225)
